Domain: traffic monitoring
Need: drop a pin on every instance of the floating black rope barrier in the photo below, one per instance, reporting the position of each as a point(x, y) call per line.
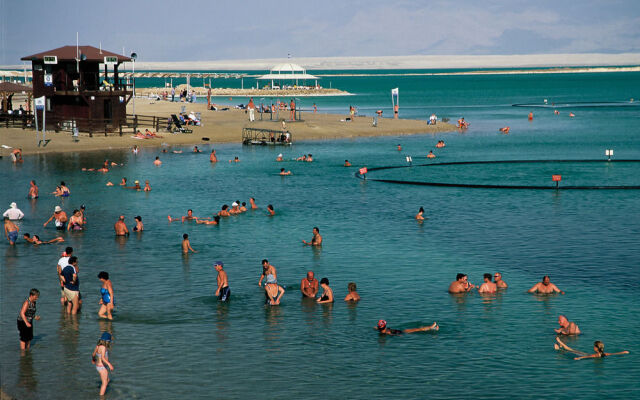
point(486, 186)
point(579, 104)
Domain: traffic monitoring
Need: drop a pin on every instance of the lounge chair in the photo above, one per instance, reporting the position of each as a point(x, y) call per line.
point(178, 124)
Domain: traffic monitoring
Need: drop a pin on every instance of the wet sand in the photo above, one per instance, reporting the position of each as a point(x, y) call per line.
point(219, 127)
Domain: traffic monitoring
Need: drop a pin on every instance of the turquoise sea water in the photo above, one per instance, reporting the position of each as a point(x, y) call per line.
point(173, 340)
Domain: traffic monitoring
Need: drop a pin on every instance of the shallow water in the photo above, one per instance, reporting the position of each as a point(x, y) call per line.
point(172, 338)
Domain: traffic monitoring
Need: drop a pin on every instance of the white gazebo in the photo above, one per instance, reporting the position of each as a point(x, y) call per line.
point(288, 72)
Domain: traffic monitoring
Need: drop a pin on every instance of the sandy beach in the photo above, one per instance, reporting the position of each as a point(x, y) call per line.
point(219, 127)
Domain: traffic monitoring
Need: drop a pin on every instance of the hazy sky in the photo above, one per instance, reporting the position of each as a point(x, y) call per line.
point(194, 30)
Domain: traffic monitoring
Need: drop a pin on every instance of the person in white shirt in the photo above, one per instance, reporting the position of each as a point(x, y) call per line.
point(13, 212)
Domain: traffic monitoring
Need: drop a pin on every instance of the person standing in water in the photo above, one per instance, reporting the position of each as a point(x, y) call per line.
point(272, 291)
point(419, 216)
point(107, 302)
point(327, 292)
point(316, 240)
point(212, 156)
point(223, 292)
point(497, 279)
point(353, 295)
point(186, 245)
point(487, 286)
point(100, 358)
point(545, 287)
point(26, 317)
point(33, 190)
point(567, 327)
point(267, 269)
point(309, 285)
point(11, 231)
point(120, 227)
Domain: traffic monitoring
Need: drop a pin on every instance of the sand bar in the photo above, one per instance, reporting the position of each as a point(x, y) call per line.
point(219, 127)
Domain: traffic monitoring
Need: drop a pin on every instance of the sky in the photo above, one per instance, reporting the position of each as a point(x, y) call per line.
point(203, 30)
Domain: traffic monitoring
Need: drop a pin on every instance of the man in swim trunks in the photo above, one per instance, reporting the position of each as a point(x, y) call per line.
point(267, 269)
point(461, 284)
point(71, 287)
point(567, 327)
point(316, 240)
point(120, 227)
point(309, 285)
point(60, 218)
point(33, 190)
point(63, 262)
point(497, 279)
point(545, 287)
point(186, 245)
point(10, 231)
point(488, 286)
point(384, 330)
point(223, 292)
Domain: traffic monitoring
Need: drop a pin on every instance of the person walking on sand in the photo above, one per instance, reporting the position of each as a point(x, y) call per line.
point(107, 301)
point(186, 245)
point(223, 292)
point(11, 231)
point(384, 330)
point(26, 317)
point(100, 358)
point(292, 110)
point(252, 108)
point(316, 240)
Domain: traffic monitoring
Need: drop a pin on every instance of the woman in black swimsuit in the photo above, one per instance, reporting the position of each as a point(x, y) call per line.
point(327, 293)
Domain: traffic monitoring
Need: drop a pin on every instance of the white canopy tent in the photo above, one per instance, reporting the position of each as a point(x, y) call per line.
point(288, 72)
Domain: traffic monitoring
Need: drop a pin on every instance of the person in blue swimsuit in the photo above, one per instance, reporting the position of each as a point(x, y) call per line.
point(106, 293)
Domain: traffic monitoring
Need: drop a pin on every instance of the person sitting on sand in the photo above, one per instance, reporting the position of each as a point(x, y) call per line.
point(157, 161)
point(461, 284)
point(353, 294)
point(598, 348)
point(283, 172)
point(497, 279)
point(347, 163)
point(11, 231)
point(224, 211)
point(488, 286)
point(270, 210)
point(120, 227)
point(147, 188)
point(384, 330)
point(215, 221)
point(36, 239)
point(279, 158)
point(212, 156)
point(545, 287)
point(431, 155)
point(567, 327)
point(419, 216)
point(139, 225)
point(316, 240)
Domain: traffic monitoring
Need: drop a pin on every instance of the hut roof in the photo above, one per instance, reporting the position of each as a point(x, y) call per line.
point(68, 53)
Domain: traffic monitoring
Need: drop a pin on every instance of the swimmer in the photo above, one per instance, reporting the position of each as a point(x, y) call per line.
point(399, 148)
point(147, 188)
point(120, 227)
point(223, 292)
point(186, 245)
point(347, 163)
point(33, 190)
point(504, 130)
point(212, 156)
point(109, 183)
point(76, 221)
point(461, 284)
point(327, 292)
point(267, 269)
point(598, 348)
point(57, 192)
point(215, 221)
point(353, 295)
point(279, 158)
point(383, 330)
point(431, 155)
point(252, 201)
point(419, 216)
point(235, 208)
point(572, 115)
point(65, 192)
point(139, 225)
point(270, 210)
point(235, 159)
point(188, 217)
point(272, 291)
point(567, 327)
point(11, 231)
point(223, 211)
point(316, 240)
point(488, 286)
point(440, 144)
point(35, 240)
point(545, 287)
point(283, 172)
point(497, 279)
point(123, 182)
point(530, 116)
point(60, 218)
point(99, 169)
point(157, 162)
point(136, 186)
point(309, 158)
point(107, 300)
point(556, 112)
point(100, 358)
point(309, 285)
point(196, 149)
point(243, 207)
point(176, 151)
point(135, 149)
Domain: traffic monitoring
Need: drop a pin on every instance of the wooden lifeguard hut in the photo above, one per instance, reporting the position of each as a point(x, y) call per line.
point(77, 92)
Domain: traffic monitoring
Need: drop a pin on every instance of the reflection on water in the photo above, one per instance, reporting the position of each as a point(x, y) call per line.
point(27, 375)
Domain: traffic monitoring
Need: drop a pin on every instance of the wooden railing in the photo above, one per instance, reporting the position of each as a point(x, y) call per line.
point(16, 120)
